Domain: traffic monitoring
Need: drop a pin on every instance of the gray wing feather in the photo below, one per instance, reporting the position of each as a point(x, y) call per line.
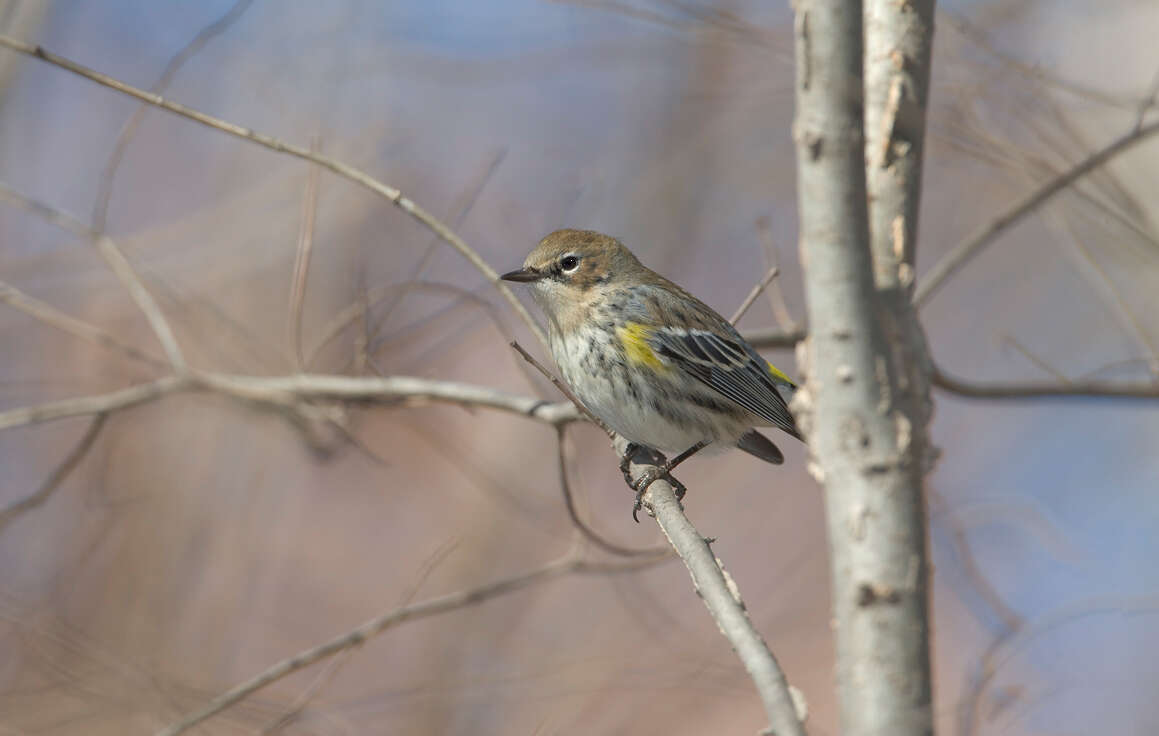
point(730, 367)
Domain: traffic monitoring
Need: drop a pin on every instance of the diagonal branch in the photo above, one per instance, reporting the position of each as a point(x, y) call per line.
point(392, 194)
point(53, 317)
point(783, 705)
point(965, 251)
point(88, 405)
point(573, 513)
point(10, 512)
point(116, 261)
point(567, 565)
point(753, 294)
point(204, 36)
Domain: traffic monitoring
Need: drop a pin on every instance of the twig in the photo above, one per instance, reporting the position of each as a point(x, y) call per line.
point(53, 317)
point(1010, 643)
point(1148, 102)
point(563, 389)
point(302, 259)
point(128, 277)
point(977, 390)
point(752, 295)
point(374, 296)
point(280, 391)
point(116, 261)
point(9, 513)
point(204, 36)
point(332, 667)
point(969, 248)
point(1038, 362)
point(390, 388)
point(774, 337)
point(720, 595)
point(771, 254)
point(472, 198)
point(1105, 286)
point(978, 36)
point(89, 405)
point(296, 708)
point(432, 607)
point(394, 195)
point(589, 533)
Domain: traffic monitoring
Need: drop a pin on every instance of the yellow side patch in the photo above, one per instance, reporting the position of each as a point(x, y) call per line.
point(779, 374)
point(634, 337)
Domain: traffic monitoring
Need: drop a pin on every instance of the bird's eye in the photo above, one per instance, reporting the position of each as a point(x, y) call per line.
point(569, 263)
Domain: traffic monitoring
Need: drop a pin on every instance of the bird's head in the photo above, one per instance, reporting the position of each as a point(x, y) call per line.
point(569, 267)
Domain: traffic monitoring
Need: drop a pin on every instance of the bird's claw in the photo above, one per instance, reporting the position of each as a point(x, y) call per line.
point(647, 478)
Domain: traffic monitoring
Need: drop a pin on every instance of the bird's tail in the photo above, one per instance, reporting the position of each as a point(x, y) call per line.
point(757, 445)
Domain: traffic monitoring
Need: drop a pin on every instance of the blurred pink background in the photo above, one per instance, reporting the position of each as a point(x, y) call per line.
point(200, 542)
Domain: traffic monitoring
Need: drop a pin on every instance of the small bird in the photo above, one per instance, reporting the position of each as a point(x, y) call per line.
point(654, 363)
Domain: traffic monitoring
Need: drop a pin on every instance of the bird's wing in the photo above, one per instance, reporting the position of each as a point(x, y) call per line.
point(729, 367)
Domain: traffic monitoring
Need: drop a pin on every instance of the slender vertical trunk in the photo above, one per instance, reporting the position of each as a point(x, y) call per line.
point(864, 408)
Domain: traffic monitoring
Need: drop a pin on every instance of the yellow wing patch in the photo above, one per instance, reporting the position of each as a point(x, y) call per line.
point(634, 337)
point(779, 374)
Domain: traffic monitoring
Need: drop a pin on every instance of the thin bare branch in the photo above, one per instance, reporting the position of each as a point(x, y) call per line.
point(392, 194)
point(13, 510)
point(204, 36)
point(1037, 360)
point(752, 295)
point(302, 259)
point(283, 391)
point(129, 278)
point(335, 664)
point(1031, 71)
point(965, 251)
point(563, 389)
point(1106, 288)
point(573, 513)
point(356, 311)
point(1148, 102)
point(783, 706)
point(473, 194)
point(568, 565)
point(116, 261)
point(53, 317)
point(771, 252)
point(1089, 389)
point(774, 337)
point(89, 405)
point(298, 707)
point(387, 389)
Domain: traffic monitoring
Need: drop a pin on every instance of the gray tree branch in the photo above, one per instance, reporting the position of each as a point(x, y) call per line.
point(568, 565)
point(784, 706)
point(965, 251)
point(391, 194)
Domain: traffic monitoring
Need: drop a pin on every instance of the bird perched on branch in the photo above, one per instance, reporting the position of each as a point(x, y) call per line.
point(654, 363)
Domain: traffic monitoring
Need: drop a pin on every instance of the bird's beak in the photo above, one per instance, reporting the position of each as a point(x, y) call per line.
point(523, 275)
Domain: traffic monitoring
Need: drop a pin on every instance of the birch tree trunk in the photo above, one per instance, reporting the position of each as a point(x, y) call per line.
point(865, 405)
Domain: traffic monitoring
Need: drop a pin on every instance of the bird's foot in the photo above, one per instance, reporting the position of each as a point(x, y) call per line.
point(626, 460)
point(647, 478)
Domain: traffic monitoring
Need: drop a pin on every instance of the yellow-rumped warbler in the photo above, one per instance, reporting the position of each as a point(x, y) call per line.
point(650, 360)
